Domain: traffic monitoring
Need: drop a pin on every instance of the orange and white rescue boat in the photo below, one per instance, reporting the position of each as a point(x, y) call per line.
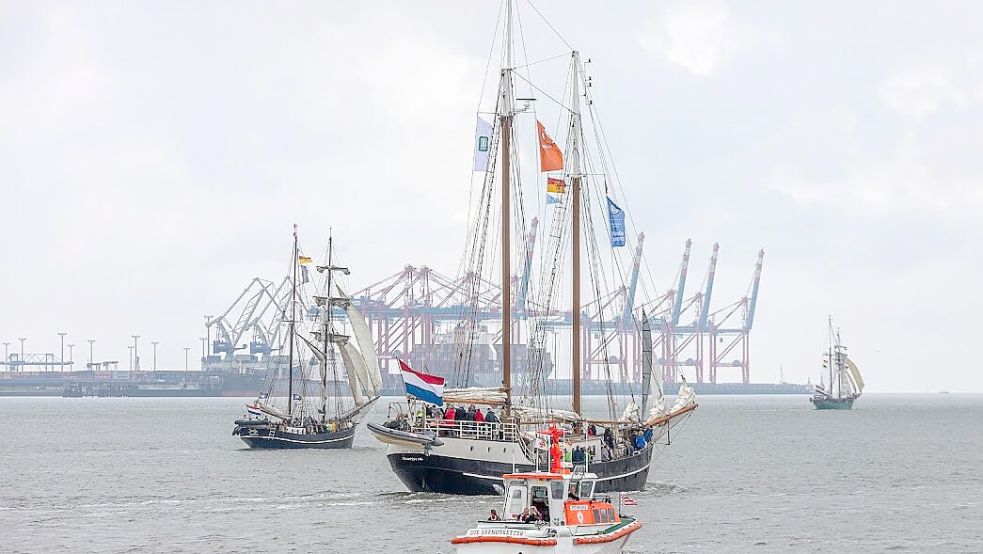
point(555, 512)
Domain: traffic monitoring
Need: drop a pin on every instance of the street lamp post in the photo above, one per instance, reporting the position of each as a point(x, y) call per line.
point(22, 353)
point(91, 359)
point(62, 360)
point(131, 359)
point(155, 343)
point(71, 357)
point(204, 351)
point(186, 349)
point(136, 353)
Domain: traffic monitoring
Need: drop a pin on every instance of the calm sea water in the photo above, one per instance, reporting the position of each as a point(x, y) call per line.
point(762, 474)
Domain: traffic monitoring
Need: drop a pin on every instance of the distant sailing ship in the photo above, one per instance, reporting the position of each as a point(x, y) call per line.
point(844, 384)
point(330, 419)
point(433, 452)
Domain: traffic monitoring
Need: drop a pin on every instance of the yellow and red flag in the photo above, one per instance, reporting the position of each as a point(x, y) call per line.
point(550, 156)
point(556, 186)
point(304, 260)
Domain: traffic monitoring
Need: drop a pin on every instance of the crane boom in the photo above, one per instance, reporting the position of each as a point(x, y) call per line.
point(527, 266)
point(683, 267)
point(711, 272)
point(754, 290)
point(633, 284)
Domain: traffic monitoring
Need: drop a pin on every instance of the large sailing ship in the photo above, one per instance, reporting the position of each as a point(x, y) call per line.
point(432, 453)
point(328, 420)
point(843, 384)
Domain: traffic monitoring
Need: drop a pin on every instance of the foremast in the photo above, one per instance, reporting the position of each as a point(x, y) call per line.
point(505, 118)
point(291, 327)
point(329, 337)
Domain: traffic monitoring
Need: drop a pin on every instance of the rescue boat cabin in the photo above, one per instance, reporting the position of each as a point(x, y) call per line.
point(560, 499)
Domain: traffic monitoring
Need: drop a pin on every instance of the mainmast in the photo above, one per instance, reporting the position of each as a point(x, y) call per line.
point(290, 333)
point(327, 337)
point(574, 172)
point(829, 360)
point(505, 123)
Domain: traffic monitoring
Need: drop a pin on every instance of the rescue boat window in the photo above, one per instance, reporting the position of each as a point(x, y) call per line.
point(516, 501)
point(541, 501)
point(586, 489)
point(556, 490)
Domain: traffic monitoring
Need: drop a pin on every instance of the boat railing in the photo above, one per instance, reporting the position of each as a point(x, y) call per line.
point(482, 430)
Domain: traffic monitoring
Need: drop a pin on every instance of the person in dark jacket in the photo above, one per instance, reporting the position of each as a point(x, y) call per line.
point(490, 417)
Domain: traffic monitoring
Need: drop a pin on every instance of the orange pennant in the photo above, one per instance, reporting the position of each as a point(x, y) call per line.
point(550, 156)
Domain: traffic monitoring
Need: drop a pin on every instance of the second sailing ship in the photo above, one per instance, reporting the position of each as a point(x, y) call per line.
point(291, 418)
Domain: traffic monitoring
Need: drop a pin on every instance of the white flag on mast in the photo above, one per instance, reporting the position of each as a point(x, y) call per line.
point(482, 145)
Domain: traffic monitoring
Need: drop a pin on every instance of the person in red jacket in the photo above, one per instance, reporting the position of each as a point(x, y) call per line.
point(478, 416)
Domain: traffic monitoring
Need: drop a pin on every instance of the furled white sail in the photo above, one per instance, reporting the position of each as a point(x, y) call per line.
point(363, 336)
point(528, 413)
point(685, 397)
point(355, 368)
point(855, 374)
point(659, 408)
point(270, 410)
point(648, 370)
point(631, 413)
point(490, 396)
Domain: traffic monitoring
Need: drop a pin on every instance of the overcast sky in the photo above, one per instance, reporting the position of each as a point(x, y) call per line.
point(153, 157)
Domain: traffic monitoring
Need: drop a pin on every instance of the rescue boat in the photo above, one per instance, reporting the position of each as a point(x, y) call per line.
point(552, 511)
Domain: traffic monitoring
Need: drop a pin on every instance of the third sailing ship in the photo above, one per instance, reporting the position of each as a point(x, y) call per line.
point(843, 384)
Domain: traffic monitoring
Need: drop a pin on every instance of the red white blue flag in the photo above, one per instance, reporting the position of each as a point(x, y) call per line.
point(422, 386)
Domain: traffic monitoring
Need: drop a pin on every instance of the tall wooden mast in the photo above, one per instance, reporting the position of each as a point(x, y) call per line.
point(505, 124)
point(290, 333)
point(573, 168)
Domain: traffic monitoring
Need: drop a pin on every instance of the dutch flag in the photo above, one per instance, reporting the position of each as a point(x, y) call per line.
point(422, 386)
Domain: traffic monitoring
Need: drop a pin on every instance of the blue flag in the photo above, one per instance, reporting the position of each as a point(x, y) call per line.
point(616, 219)
point(552, 199)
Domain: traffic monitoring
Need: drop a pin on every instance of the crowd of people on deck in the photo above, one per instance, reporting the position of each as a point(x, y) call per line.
point(461, 413)
point(610, 447)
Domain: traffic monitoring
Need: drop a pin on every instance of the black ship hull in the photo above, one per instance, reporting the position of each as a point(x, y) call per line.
point(470, 476)
point(275, 438)
point(830, 403)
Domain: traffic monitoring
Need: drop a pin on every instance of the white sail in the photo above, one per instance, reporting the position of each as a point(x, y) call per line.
point(490, 396)
point(538, 414)
point(685, 397)
point(659, 408)
point(855, 374)
point(357, 379)
point(271, 411)
point(363, 336)
point(631, 413)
